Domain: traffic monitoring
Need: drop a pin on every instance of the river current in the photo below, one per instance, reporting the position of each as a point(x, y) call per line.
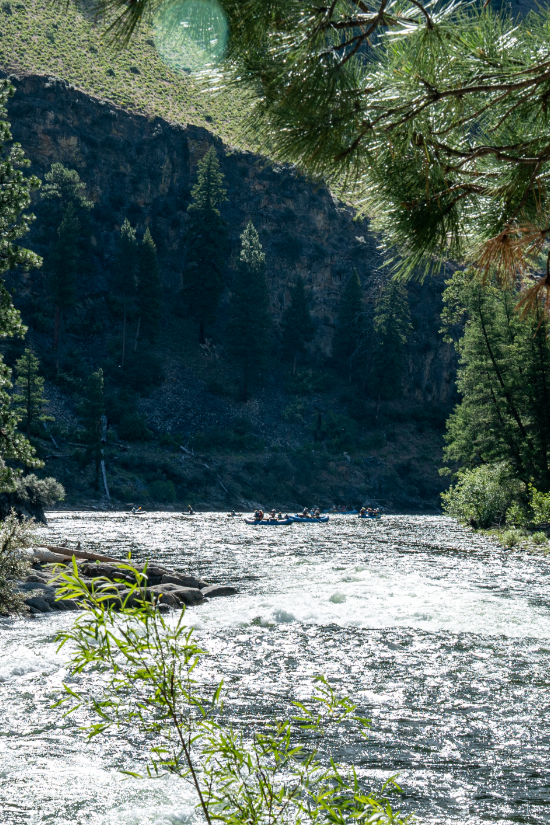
point(441, 638)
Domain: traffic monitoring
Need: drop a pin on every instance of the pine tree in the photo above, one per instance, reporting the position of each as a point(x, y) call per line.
point(349, 324)
point(392, 323)
point(149, 291)
point(250, 319)
point(63, 264)
point(63, 188)
point(503, 378)
point(14, 223)
point(92, 411)
point(297, 326)
point(126, 272)
point(65, 215)
point(30, 401)
point(206, 244)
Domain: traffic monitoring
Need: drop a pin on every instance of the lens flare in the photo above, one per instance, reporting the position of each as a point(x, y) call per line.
point(191, 35)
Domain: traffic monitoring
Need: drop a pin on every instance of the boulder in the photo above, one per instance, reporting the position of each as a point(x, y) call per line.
point(39, 605)
point(176, 596)
point(107, 571)
point(218, 590)
point(183, 580)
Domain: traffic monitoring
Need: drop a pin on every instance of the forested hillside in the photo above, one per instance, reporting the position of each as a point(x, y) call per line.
point(313, 425)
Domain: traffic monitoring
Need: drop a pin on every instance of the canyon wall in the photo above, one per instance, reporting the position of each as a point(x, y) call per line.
point(144, 168)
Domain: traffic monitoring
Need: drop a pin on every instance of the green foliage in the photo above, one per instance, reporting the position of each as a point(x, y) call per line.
point(30, 399)
point(147, 686)
point(62, 188)
point(250, 319)
point(133, 427)
point(539, 538)
point(297, 326)
point(516, 515)
point(163, 491)
point(512, 538)
point(239, 437)
point(64, 215)
point(540, 505)
point(39, 492)
point(206, 244)
point(307, 382)
point(339, 432)
point(503, 377)
point(294, 412)
point(15, 536)
point(392, 323)
point(149, 289)
point(482, 497)
point(63, 261)
point(125, 275)
point(349, 325)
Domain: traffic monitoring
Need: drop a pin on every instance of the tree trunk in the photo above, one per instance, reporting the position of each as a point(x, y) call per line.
point(124, 335)
point(202, 339)
point(29, 404)
point(56, 327)
point(137, 334)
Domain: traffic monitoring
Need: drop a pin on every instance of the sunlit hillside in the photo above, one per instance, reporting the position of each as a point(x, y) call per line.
point(52, 39)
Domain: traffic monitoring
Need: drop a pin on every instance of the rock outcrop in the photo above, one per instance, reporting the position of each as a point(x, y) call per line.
point(143, 168)
point(166, 588)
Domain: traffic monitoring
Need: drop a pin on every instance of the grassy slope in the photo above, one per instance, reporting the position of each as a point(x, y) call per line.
point(47, 38)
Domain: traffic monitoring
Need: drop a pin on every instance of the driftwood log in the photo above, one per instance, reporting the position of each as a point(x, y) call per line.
point(68, 553)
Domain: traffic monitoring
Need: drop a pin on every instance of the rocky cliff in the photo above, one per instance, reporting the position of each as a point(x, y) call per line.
point(143, 168)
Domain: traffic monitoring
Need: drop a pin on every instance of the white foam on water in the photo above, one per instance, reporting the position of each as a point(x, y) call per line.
point(372, 598)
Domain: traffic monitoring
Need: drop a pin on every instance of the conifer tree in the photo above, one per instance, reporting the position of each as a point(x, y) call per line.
point(16, 191)
point(349, 324)
point(65, 215)
point(126, 271)
point(92, 411)
point(206, 244)
point(29, 400)
point(149, 291)
point(503, 378)
point(63, 188)
point(250, 319)
point(63, 264)
point(297, 326)
point(392, 323)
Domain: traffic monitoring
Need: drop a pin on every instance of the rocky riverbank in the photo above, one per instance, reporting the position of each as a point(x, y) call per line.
point(113, 581)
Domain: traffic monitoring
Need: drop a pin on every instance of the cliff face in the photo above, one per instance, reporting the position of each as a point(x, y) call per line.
point(143, 168)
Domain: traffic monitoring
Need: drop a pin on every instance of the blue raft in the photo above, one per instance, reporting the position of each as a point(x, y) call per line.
point(301, 520)
point(269, 522)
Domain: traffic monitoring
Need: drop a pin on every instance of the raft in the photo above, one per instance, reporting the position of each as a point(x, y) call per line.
point(299, 519)
point(269, 522)
point(372, 517)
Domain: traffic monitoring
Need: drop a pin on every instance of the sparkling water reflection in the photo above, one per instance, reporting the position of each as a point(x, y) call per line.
point(442, 639)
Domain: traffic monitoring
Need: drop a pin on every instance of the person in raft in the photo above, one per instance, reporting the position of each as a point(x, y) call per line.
point(363, 511)
point(190, 510)
point(317, 513)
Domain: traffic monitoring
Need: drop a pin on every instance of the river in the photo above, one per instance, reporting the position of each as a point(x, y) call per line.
point(441, 638)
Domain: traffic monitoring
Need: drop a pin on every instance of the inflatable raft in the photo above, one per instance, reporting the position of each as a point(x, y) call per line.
point(377, 516)
point(269, 522)
point(300, 519)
